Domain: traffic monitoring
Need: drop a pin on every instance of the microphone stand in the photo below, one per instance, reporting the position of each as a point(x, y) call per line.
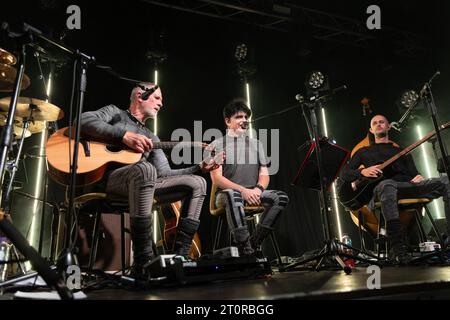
point(406, 116)
point(332, 248)
point(427, 96)
point(67, 257)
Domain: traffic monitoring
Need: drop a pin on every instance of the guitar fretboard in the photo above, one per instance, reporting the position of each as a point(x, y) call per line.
point(173, 144)
point(412, 147)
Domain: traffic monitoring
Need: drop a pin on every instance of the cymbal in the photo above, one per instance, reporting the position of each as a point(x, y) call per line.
point(42, 111)
point(7, 58)
point(8, 76)
point(17, 129)
point(36, 127)
point(33, 127)
point(18, 132)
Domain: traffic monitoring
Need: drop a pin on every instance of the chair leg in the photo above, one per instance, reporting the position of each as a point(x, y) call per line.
point(159, 218)
point(422, 234)
point(218, 232)
point(378, 234)
point(122, 241)
point(95, 236)
point(386, 249)
point(434, 226)
point(276, 248)
point(360, 231)
point(381, 220)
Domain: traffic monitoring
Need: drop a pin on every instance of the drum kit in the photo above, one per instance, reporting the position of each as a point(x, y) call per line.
point(30, 118)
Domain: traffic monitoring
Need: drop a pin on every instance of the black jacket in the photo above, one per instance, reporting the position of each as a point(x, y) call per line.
point(403, 169)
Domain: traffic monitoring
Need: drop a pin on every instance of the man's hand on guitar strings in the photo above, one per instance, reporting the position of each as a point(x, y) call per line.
point(137, 142)
point(212, 163)
point(372, 172)
point(417, 179)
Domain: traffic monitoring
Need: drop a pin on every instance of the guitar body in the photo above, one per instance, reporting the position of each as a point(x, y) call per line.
point(171, 215)
point(91, 166)
point(94, 158)
point(355, 199)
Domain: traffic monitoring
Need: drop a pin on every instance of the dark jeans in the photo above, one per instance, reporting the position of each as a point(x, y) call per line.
point(389, 191)
point(274, 202)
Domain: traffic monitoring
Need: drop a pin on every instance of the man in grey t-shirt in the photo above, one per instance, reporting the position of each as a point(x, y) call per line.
point(243, 179)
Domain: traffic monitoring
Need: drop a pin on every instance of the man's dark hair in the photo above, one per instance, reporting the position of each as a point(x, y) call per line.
point(235, 106)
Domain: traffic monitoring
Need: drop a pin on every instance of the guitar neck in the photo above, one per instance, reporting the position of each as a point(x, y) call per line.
point(173, 144)
point(411, 147)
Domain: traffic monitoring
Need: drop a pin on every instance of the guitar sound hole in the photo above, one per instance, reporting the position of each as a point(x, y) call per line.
point(112, 148)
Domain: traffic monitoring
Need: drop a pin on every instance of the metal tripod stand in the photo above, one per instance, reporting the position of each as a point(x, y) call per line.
point(332, 249)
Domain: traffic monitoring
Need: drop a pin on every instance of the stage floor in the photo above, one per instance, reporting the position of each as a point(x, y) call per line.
point(426, 282)
point(419, 282)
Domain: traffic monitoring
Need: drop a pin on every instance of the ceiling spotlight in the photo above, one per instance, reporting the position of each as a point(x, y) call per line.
point(241, 52)
point(316, 80)
point(409, 98)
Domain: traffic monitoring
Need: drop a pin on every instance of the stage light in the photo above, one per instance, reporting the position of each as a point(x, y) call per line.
point(334, 195)
point(155, 213)
point(156, 235)
point(437, 203)
point(408, 98)
point(155, 121)
point(316, 80)
point(247, 90)
point(244, 56)
point(49, 87)
point(316, 83)
point(240, 54)
point(41, 169)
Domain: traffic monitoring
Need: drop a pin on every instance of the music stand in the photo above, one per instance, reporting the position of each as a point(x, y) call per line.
point(334, 158)
point(319, 176)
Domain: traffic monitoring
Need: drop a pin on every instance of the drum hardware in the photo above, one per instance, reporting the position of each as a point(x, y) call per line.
point(7, 76)
point(33, 109)
point(7, 58)
point(27, 35)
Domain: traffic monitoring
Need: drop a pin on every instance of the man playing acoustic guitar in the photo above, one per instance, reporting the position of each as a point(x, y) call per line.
point(151, 176)
point(401, 181)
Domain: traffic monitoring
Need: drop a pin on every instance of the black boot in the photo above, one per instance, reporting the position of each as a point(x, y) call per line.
point(186, 230)
point(242, 238)
point(141, 237)
point(260, 233)
point(398, 252)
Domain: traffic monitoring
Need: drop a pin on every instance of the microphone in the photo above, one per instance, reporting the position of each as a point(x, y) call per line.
point(424, 91)
point(148, 92)
point(343, 87)
point(328, 93)
point(396, 126)
point(299, 98)
point(245, 124)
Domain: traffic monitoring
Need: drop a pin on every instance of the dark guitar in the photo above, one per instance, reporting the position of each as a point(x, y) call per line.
point(355, 199)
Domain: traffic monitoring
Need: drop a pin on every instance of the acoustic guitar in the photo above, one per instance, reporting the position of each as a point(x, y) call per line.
point(94, 158)
point(355, 198)
point(171, 214)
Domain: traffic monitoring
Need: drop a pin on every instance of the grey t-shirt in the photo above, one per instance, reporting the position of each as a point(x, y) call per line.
point(243, 158)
